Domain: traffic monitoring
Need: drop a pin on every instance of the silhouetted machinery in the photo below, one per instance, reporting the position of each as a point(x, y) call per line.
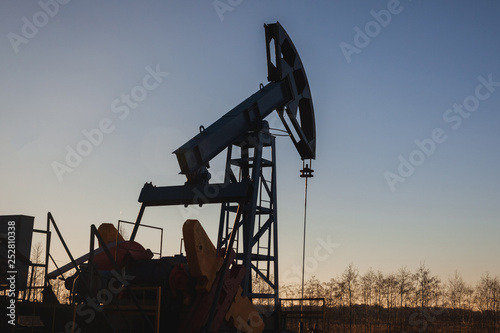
point(209, 289)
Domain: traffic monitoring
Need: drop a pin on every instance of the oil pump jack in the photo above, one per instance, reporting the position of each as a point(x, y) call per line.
point(212, 284)
point(248, 201)
point(248, 196)
point(245, 127)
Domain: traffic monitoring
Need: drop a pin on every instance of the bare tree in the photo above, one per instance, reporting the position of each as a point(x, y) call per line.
point(262, 287)
point(426, 284)
point(379, 293)
point(367, 285)
point(405, 287)
point(289, 290)
point(331, 293)
point(410, 301)
point(455, 294)
point(390, 295)
point(349, 285)
point(36, 276)
point(314, 288)
point(488, 297)
point(332, 300)
point(469, 298)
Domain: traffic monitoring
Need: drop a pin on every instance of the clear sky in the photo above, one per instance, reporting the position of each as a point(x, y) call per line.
point(383, 75)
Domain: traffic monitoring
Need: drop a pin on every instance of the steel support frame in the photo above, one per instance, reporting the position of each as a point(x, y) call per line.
point(257, 238)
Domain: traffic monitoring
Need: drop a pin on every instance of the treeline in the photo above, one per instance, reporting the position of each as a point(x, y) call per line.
point(404, 301)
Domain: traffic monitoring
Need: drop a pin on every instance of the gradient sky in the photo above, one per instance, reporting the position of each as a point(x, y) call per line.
point(65, 76)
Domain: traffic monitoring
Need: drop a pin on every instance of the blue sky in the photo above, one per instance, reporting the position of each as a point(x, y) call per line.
point(371, 106)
